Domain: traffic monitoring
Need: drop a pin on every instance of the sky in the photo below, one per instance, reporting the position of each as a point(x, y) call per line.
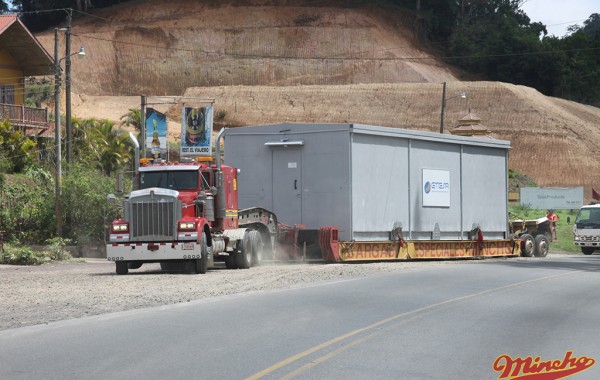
point(558, 15)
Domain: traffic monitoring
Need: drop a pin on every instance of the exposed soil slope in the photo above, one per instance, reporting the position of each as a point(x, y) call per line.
point(275, 61)
point(163, 47)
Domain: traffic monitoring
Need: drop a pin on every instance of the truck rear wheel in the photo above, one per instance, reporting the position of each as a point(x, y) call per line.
point(244, 256)
point(257, 247)
point(527, 245)
point(121, 267)
point(541, 246)
point(587, 250)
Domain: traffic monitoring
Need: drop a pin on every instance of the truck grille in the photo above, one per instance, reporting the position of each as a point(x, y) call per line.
point(153, 217)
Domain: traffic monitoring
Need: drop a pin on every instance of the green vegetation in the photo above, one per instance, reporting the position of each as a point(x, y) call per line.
point(16, 254)
point(27, 189)
point(21, 255)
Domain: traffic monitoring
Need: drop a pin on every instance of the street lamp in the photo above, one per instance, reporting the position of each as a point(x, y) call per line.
point(57, 138)
point(462, 95)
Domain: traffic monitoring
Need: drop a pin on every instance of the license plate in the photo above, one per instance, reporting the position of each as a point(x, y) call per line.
point(188, 246)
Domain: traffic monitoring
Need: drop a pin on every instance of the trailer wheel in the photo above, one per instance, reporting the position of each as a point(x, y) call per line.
point(541, 246)
point(201, 264)
point(527, 245)
point(244, 256)
point(587, 250)
point(257, 247)
point(121, 267)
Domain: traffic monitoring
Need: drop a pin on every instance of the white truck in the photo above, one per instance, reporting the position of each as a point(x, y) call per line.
point(586, 229)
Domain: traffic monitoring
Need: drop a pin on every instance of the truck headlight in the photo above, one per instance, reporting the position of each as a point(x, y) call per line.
point(120, 227)
point(187, 226)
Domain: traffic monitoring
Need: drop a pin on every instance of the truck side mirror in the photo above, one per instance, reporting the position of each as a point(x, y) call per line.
point(111, 198)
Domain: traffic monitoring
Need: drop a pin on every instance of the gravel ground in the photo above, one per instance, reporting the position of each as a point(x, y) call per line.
point(65, 290)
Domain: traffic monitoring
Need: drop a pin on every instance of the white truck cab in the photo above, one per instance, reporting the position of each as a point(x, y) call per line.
point(586, 229)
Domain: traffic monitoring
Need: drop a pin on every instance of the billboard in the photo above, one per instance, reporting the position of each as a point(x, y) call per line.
point(552, 197)
point(196, 131)
point(156, 132)
point(436, 188)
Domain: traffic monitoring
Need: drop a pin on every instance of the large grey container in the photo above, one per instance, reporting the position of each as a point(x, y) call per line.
point(367, 179)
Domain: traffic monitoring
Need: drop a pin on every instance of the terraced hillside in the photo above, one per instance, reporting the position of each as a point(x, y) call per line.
point(282, 61)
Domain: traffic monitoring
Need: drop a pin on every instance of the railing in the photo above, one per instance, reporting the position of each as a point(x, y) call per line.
point(25, 117)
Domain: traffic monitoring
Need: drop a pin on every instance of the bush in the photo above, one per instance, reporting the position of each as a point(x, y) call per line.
point(86, 212)
point(26, 209)
point(55, 249)
point(19, 255)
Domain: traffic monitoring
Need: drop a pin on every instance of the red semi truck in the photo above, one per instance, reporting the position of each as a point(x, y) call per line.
point(185, 216)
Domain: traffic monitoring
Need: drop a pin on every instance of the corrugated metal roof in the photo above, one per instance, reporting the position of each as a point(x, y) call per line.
point(18, 41)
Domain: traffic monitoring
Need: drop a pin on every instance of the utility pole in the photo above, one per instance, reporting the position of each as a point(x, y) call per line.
point(443, 108)
point(69, 129)
point(57, 139)
point(143, 125)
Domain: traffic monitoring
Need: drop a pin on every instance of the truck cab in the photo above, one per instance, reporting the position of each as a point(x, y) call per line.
point(586, 229)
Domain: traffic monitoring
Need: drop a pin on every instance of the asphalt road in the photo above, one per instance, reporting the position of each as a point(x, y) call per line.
point(442, 322)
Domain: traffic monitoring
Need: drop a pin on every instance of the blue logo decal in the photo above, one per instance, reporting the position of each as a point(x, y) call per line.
point(427, 187)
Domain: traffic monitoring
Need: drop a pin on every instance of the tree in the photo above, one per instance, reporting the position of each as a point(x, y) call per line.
point(133, 118)
point(109, 149)
point(16, 149)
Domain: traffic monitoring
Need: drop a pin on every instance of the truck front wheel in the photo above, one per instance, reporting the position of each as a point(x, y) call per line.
point(122, 267)
point(587, 250)
point(201, 264)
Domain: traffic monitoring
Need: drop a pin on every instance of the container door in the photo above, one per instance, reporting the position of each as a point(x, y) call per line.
point(287, 185)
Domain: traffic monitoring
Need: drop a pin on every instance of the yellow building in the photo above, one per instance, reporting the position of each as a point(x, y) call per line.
point(21, 56)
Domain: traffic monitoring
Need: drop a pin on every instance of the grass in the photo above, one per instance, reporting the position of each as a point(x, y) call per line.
point(564, 230)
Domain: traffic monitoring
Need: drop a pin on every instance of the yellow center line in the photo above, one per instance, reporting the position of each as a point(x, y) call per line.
point(333, 341)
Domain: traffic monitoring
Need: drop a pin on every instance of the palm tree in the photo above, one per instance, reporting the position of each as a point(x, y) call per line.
point(133, 118)
point(108, 149)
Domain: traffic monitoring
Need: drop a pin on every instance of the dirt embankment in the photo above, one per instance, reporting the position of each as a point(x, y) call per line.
point(279, 61)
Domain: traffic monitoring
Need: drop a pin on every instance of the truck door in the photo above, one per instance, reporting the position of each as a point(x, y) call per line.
point(287, 185)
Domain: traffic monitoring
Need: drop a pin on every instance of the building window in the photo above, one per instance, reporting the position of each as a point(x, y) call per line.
point(7, 94)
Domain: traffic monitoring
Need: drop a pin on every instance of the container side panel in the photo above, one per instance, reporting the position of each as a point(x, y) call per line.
point(307, 184)
point(379, 186)
point(249, 154)
point(443, 159)
point(484, 191)
point(326, 181)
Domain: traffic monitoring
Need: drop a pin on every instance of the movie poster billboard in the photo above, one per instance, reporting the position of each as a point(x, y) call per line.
point(156, 133)
point(196, 131)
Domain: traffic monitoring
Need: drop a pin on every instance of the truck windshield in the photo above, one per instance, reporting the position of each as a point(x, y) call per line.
point(174, 180)
point(588, 218)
